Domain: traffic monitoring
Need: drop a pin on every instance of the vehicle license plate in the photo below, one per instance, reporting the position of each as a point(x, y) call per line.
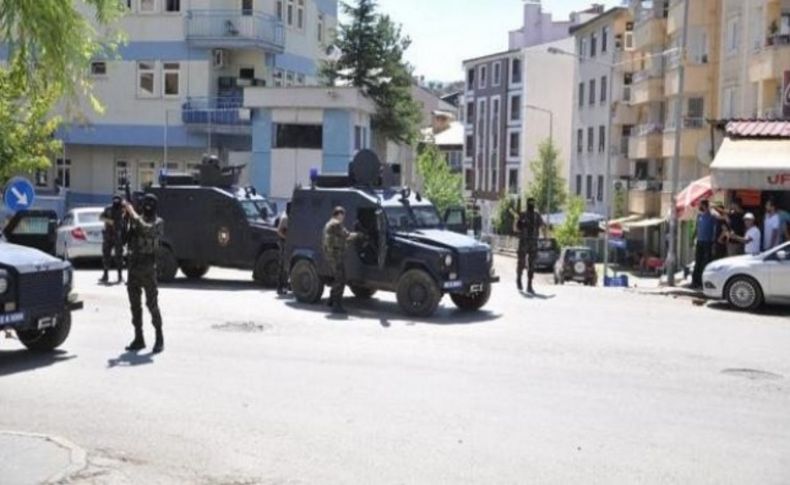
point(12, 318)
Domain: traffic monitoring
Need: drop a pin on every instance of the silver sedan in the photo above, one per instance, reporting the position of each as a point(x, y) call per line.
point(80, 234)
point(747, 282)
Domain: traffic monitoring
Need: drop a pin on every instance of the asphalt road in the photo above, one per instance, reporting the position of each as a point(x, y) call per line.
point(577, 385)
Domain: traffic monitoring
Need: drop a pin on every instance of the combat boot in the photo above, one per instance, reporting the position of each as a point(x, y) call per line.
point(530, 290)
point(337, 308)
point(120, 277)
point(138, 343)
point(105, 278)
point(519, 284)
point(159, 344)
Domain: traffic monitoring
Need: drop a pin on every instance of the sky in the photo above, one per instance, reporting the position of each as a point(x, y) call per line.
point(445, 32)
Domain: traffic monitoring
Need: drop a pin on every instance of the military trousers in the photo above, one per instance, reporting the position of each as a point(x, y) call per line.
point(282, 276)
point(527, 255)
point(142, 279)
point(338, 281)
point(110, 245)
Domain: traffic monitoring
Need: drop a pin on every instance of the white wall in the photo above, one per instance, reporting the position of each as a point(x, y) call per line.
point(292, 167)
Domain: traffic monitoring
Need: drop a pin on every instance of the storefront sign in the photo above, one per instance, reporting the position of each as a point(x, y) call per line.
point(786, 96)
point(751, 180)
point(779, 180)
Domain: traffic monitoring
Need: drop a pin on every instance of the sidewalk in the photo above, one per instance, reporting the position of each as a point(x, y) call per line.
point(27, 458)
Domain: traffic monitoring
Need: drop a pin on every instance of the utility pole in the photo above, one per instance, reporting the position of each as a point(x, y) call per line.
point(608, 175)
point(672, 257)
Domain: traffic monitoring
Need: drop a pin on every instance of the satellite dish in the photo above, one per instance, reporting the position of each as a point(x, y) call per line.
point(365, 169)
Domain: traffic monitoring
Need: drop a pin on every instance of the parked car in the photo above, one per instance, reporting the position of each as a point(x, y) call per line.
point(576, 264)
point(747, 282)
point(548, 254)
point(80, 234)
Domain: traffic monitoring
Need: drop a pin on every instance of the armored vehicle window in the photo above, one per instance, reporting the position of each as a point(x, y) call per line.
point(253, 209)
point(416, 217)
point(32, 225)
point(299, 136)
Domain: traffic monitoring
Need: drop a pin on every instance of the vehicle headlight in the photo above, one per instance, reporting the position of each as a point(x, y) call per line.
point(448, 260)
point(3, 284)
point(714, 269)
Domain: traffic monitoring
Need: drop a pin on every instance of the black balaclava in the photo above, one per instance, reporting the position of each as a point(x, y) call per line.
point(530, 206)
point(149, 207)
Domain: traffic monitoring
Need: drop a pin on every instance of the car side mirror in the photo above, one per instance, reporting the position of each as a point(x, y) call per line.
point(782, 255)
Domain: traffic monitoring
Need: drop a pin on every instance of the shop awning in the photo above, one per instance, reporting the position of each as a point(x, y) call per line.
point(691, 196)
point(752, 164)
point(644, 223)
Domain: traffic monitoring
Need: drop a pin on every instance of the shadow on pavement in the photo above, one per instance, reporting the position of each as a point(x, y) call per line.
point(387, 312)
point(212, 285)
point(130, 359)
point(17, 361)
point(764, 311)
point(537, 296)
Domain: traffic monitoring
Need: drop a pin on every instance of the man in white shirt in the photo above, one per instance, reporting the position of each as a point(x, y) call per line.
point(772, 226)
point(751, 239)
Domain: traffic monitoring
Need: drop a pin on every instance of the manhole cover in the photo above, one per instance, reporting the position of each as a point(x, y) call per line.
point(247, 327)
point(752, 374)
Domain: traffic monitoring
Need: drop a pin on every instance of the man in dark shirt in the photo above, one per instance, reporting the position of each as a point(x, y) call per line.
point(705, 235)
point(528, 225)
point(737, 227)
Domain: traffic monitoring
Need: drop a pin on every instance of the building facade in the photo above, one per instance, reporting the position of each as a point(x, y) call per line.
point(175, 89)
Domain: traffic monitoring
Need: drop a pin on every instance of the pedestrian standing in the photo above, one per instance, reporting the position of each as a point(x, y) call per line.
point(722, 230)
point(705, 235)
point(112, 238)
point(751, 239)
point(527, 226)
point(335, 240)
point(772, 226)
point(282, 234)
point(144, 234)
point(737, 228)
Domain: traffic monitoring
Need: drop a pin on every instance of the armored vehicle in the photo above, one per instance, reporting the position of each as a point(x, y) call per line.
point(36, 298)
point(211, 221)
point(405, 248)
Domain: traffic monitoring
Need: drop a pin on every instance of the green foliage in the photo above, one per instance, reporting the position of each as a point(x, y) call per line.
point(503, 218)
point(620, 203)
point(546, 180)
point(372, 48)
point(442, 186)
point(569, 233)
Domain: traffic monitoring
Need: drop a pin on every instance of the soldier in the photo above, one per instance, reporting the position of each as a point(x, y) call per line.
point(144, 234)
point(282, 233)
point(527, 226)
point(112, 238)
point(335, 238)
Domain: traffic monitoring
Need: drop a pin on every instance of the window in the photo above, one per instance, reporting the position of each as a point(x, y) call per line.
point(320, 28)
point(277, 75)
point(494, 124)
point(581, 95)
point(604, 87)
point(695, 113)
point(515, 71)
point(290, 78)
point(515, 108)
point(172, 5)
point(470, 111)
point(733, 35)
point(579, 140)
point(299, 136)
point(579, 185)
point(300, 14)
point(469, 179)
point(98, 68)
point(494, 176)
point(592, 91)
point(147, 6)
point(604, 39)
point(357, 137)
point(512, 181)
point(470, 146)
point(589, 187)
point(728, 102)
point(247, 73)
point(601, 139)
point(483, 75)
point(121, 174)
point(300, 79)
point(289, 13)
point(246, 7)
point(171, 72)
point(514, 145)
point(280, 10)
point(590, 139)
point(497, 79)
point(146, 79)
point(593, 44)
point(42, 178)
point(146, 174)
point(470, 80)
point(600, 188)
point(129, 4)
point(583, 47)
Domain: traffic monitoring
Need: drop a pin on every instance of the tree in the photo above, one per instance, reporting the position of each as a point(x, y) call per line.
point(503, 218)
point(50, 45)
point(441, 185)
point(546, 180)
point(371, 49)
point(569, 232)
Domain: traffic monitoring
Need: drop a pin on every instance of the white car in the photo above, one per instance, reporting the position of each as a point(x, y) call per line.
point(80, 234)
point(747, 282)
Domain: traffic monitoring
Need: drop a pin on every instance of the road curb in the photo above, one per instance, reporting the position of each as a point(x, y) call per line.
point(78, 458)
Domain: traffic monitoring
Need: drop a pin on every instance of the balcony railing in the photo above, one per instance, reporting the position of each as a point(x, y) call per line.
point(692, 123)
point(646, 185)
point(228, 28)
point(648, 129)
point(777, 40)
point(220, 115)
point(655, 70)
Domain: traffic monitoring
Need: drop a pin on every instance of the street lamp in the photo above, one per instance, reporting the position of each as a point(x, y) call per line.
point(551, 141)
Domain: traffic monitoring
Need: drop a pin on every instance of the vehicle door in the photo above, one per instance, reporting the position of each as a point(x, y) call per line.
point(228, 229)
point(779, 275)
point(34, 228)
point(371, 248)
point(455, 220)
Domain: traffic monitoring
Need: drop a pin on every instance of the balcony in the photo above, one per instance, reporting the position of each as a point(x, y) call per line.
point(645, 141)
point(644, 198)
point(769, 62)
point(225, 116)
point(234, 29)
point(693, 139)
point(650, 29)
point(626, 61)
point(648, 89)
point(699, 80)
point(624, 114)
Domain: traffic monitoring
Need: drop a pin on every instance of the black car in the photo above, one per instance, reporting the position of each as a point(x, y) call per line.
point(576, 264)
point(36, 298)
point(406, 248)
point(210, 221)
point(548, 253)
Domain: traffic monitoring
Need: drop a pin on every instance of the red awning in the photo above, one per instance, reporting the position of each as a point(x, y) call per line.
point(692, 195)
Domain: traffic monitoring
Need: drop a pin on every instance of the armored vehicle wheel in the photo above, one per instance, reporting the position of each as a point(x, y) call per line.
point(48, 339)
point(267, 268)
point(305, 283)
point(166, 265)
point(418, 294)
point(361, 292)
point(472, 301)
point(194, 270)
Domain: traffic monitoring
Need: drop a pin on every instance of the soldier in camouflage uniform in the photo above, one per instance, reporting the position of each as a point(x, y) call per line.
point(528, 225)
point(112, 238)
point(334, 242)
point(143, 241)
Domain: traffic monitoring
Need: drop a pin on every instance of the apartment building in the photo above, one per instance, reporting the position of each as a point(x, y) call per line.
point(602, 90)
point(175, 90)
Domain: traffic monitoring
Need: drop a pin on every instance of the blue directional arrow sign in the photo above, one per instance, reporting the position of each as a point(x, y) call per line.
point(19, 194)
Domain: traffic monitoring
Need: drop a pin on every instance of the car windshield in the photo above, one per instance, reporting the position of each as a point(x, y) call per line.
point(88, 217)
point(252, 209)
point(413, 217)
point(578, 254)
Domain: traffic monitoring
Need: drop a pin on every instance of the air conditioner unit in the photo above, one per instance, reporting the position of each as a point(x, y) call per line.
point(628, 41)
point(218, 58)
point(244, 114)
